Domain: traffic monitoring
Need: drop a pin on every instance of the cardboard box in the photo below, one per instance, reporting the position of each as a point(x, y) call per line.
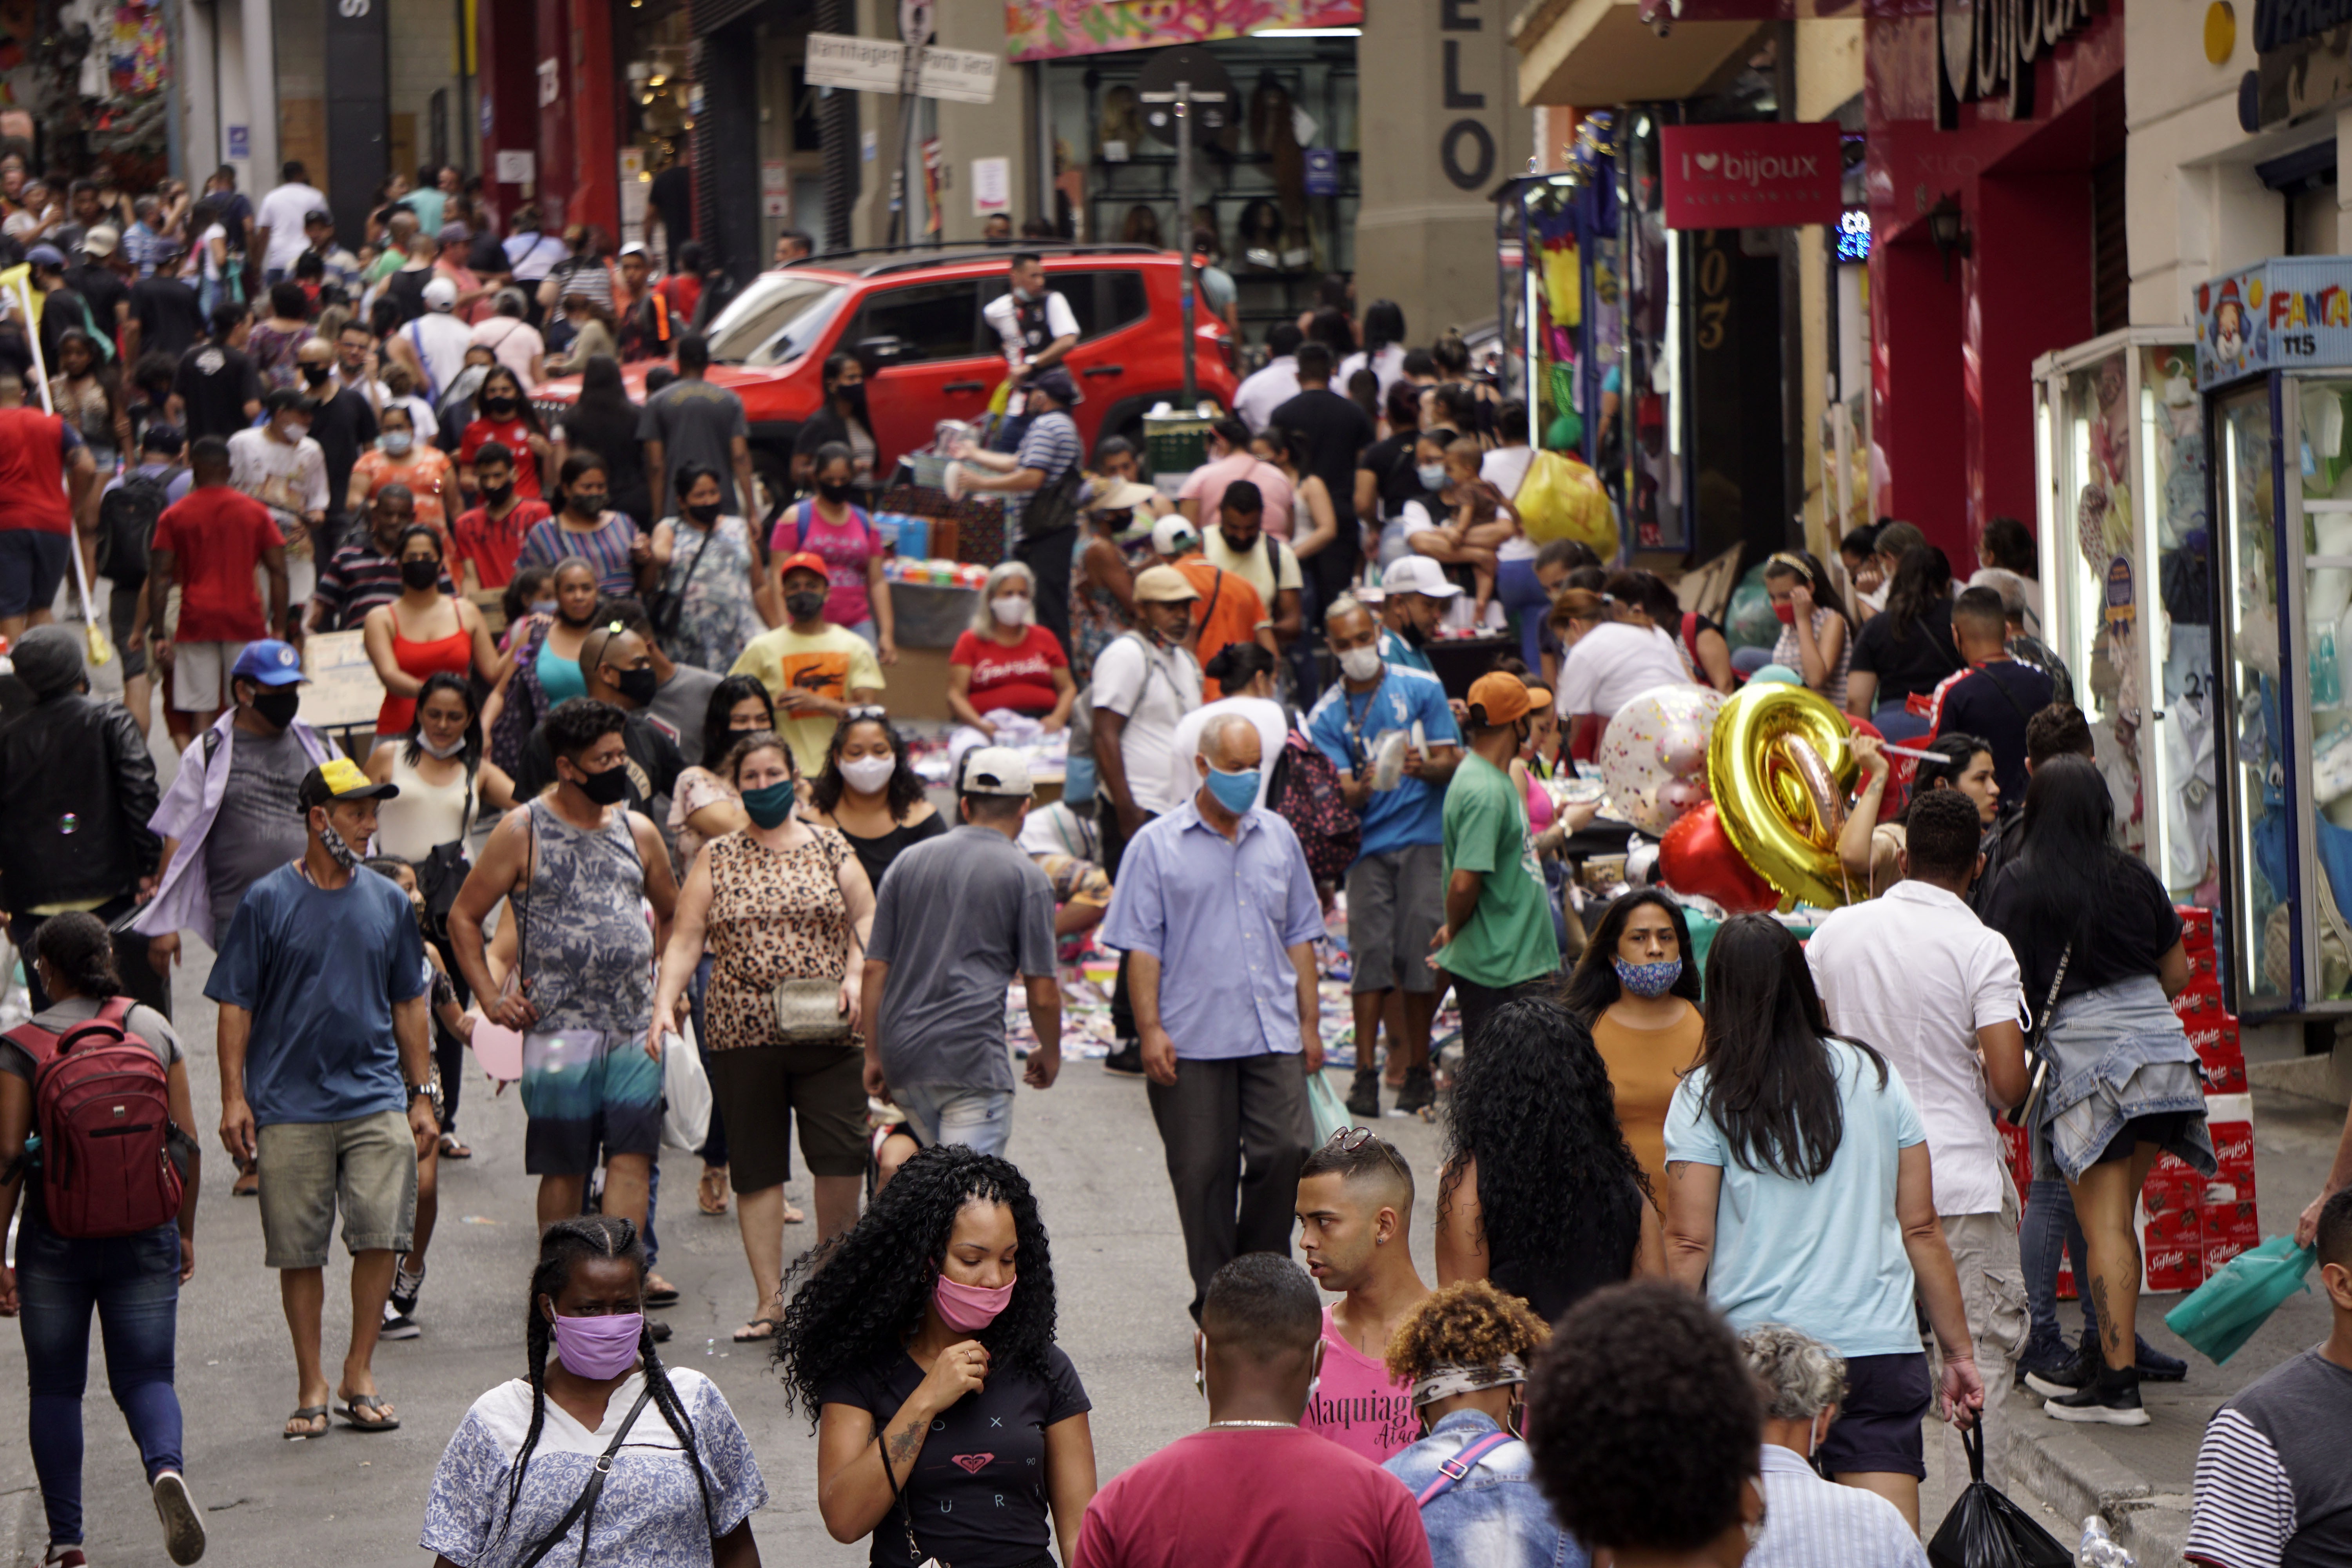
point(2233, 1152)
point(2234, 1221)
point(2218, 1253)
point(2172, 1251)
point(2201, 1006)
point(2196, 928)
point(2220, 1056)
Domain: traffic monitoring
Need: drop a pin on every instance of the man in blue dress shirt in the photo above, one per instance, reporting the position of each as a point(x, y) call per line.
point(1217, 910)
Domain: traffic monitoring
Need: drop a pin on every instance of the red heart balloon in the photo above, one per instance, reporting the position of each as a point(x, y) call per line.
point(1695, 857)
point(1890, 804)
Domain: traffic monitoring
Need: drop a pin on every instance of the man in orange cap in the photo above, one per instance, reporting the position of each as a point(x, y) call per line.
point(1497, 942)
point(814, 670)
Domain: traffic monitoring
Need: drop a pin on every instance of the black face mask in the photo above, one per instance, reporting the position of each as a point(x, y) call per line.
point(835, 493)
point(637, 685)
point(278, 707)
point(804, 606)
point(564, 615)
point(608, 788)
point(586, 503)
point(317, 374)
point(854, 399)
point(420, 573)
point(1238, 546)
point(496, 494)
point(706, 514)
point(499, 406)
point(1412, 634)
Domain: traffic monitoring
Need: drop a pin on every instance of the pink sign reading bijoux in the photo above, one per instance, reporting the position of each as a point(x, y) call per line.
point(1753, 174)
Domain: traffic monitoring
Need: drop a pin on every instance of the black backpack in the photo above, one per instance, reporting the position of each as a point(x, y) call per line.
point(126, 526)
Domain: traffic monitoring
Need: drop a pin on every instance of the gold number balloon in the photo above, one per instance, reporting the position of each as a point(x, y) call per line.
point(1778, 765)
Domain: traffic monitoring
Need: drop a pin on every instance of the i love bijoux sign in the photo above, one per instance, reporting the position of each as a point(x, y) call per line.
point(1754, 174)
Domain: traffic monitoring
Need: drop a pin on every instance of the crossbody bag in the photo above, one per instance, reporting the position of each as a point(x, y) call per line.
point(667, 604)
point(583, 1507)
point(2037, 1057)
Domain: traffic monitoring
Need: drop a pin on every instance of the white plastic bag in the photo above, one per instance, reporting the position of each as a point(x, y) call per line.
point(685, 1093)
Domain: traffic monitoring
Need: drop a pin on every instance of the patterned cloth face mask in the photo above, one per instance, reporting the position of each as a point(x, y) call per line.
point(1649, 978)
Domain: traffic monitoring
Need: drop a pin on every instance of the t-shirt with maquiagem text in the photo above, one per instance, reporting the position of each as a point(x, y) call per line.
point(1356, 1403)
point(1509, 937)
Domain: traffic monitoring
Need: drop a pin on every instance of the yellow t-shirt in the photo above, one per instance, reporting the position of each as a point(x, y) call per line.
point(1645, 1066)
point(1251, 565)
point(835, 663)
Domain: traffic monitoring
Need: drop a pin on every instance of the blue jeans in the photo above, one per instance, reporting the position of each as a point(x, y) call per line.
point(134, 1283)
point(1522, 593)
point(937, 1113)
point(2046, 1230)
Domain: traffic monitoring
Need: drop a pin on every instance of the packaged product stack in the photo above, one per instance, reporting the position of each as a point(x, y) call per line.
point(2190, 1226)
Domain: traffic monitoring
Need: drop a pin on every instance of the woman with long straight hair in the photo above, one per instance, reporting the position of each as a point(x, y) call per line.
point(2123, 1085)
point(1635, 986)
point(675, 1477)
point(1539, 1192)
point(1798, 1193)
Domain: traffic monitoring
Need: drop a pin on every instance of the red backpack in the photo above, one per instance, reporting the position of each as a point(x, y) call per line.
point(102, 1104)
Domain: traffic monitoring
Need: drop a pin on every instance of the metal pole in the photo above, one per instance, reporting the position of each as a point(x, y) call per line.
point(1185, 232)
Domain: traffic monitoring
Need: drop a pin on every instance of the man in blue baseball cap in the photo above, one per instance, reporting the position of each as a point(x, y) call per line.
point(233, 815)
point(62, 310)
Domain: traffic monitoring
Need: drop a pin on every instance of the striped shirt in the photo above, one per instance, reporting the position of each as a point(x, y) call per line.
point(1812, 1523)
point(1051, 446)
point(358, 578)
point(2273, 1488)
point(606, 547)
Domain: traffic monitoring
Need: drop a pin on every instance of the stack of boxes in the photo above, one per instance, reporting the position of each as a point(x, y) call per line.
point(2190, 1226)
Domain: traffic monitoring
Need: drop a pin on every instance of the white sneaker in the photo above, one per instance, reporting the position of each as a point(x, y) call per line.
point(183, 1521)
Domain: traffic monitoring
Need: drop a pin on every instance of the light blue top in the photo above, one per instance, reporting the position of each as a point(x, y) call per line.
point(1812, 1523)
point(1495, 1517)
point(559, 676)
point(1395, 651)
point(1827, 1255)
point(1218, 915)
point(1347, 727)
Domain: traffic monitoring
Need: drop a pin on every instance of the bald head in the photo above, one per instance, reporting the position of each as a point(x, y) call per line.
point(1230, 742)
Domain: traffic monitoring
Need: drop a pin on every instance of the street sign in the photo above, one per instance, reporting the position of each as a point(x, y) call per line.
point(1211, 92)
point(874, 65)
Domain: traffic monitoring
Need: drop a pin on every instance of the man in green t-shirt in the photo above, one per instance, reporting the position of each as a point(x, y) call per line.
point(1497, 942)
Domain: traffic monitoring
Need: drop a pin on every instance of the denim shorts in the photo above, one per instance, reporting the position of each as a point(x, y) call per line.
point(365, 1166)
point(939, 1113)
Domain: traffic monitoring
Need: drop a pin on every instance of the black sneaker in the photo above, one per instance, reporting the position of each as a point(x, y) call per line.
point(2112, 1399)
point(1364, 1095)
point(1127, 1061)
point(2154, 1367)
point(397, 1324)
point(1418, 1094)
point(2073, 1376)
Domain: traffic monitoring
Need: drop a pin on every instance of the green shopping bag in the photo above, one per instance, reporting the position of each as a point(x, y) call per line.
point(1331, 1116)
point(2220, 1315)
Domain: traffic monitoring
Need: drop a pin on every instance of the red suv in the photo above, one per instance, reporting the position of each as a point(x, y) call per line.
point(913, 318)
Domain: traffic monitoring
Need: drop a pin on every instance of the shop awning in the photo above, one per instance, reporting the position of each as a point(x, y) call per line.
point(1051, 29)
point(1592, 52)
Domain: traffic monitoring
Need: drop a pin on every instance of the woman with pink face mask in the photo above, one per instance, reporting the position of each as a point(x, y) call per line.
point(663, 1467)
point(1816, 636)
point(950, 1426)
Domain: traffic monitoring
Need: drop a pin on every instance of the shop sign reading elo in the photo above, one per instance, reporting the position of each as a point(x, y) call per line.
point(1989, 48)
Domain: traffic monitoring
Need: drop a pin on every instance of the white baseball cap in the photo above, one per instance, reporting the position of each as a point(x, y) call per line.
point(1175, 535)
point(440, 294)
point(996, 770)
point(1418, 574)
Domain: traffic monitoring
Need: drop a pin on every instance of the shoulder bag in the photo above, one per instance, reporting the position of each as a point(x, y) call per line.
point(666, 606)
point(583, 1507)
point(808, 1010)
point(2037, 1059)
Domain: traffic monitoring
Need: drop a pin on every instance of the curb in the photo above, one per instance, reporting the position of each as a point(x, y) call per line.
point(2075, 1479)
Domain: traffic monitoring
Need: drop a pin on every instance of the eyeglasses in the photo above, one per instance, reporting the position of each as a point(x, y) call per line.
point(1349, 1140)
point(863, 711)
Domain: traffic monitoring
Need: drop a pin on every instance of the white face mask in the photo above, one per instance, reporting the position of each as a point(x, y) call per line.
point(1432, 475)
point(866, 775)
point(1011, 610)
point(1361, 663)
point(425, 742)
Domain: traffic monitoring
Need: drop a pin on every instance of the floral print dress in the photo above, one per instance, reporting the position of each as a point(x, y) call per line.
point(776, 915)
point(715, 615)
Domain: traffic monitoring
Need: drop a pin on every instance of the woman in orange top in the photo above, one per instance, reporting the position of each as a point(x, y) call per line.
point(423, 632)
point(1636, 988)
point(398, 457)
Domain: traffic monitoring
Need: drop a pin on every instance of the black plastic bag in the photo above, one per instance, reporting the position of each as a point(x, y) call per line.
point(1985, 1530)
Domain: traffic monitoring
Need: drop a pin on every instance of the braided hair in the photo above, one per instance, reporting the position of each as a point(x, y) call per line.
point(567, 1243)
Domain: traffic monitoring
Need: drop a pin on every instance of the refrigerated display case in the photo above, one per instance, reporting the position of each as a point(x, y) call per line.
point(2275, 366)
point(2123, 530)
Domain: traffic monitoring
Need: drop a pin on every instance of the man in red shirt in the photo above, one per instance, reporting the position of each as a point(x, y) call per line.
point(490, 536)
point(209, 542)
point(1252, 1488)
point(42, 458)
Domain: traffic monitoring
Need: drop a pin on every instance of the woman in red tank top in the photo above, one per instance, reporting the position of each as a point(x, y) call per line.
point(423, 631)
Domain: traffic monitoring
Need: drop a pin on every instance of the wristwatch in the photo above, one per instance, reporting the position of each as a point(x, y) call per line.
point(426, 1092)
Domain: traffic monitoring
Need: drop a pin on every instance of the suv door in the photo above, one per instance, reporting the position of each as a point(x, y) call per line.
point(1110, 304)
point(936, 363)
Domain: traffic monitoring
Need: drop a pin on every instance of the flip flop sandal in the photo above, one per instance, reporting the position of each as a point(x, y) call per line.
point(453, 1150)
point(665, 1296)
point(308, 1414)
point(766, 1328)
point(246, 1186)
point(712, 1194)
point(795, 1216)
point(371, 1403)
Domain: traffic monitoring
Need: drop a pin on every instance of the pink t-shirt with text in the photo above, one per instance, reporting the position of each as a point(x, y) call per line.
point(1356, 1403)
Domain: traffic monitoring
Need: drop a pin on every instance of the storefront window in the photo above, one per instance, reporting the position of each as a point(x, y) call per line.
point(2262, 934)
point(2327, 482)
point(656, 41)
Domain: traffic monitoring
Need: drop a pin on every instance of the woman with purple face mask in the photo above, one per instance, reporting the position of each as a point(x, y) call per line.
point(920, 1345)
point(1636, 988)
point(602, 1454)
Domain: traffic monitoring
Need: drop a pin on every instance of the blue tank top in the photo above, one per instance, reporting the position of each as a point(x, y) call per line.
point(559, 676)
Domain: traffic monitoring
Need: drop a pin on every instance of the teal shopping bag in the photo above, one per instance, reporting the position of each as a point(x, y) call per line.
point(2220, 1315)
point(1331, 1116)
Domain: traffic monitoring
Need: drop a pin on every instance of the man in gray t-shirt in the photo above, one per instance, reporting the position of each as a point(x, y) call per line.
point(976, 911)
point(259, 826)
point(691, 421)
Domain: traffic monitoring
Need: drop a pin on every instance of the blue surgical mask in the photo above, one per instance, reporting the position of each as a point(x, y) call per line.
point(1432, 475)
point(1647, 980)
point(395, 443)
point(542, 606)
point(769, 803)
point(1236, 791)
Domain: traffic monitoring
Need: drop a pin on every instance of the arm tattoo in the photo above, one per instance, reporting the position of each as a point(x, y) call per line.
point(903, 1445)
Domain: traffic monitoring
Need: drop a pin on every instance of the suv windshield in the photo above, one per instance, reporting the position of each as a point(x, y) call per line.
point(778, 318)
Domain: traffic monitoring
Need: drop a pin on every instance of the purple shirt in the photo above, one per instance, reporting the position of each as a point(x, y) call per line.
point(1208, 908)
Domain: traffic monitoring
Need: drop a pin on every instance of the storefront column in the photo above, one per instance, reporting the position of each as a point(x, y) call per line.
point(260, 167)
point(2029, 291)
point(503, 37)
point(727, 174)
point(1916, 463)
point(596, 191)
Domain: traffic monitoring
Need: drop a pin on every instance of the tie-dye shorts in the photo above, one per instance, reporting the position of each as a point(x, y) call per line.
point(586, 1089)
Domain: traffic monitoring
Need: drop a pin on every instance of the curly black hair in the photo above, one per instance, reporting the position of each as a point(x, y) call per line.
point(1644, 1420)
point(852, 1303)
point(1533, 1106)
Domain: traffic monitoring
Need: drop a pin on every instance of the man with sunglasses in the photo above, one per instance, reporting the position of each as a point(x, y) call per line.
point(1355, 1225)
point(617, 665)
